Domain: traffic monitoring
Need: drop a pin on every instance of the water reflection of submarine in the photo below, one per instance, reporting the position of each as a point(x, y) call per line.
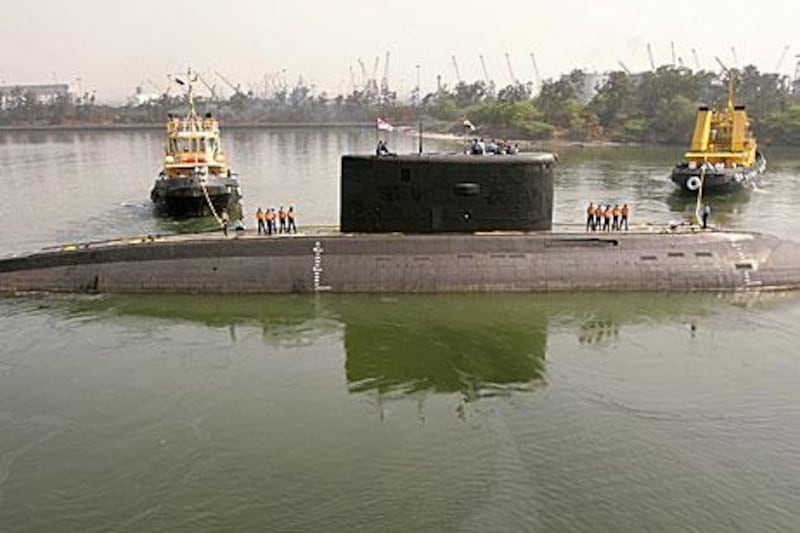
point(473, 347)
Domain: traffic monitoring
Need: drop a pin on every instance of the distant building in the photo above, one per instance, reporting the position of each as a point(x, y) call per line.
point(139, 97)
point(591, 82)
point(44, 94)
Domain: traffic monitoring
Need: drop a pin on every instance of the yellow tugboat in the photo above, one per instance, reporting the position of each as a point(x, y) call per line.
point(724, 155)
point(196, 179)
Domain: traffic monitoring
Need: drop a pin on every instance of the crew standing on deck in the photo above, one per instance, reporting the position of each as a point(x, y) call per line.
point(616, 212)
point(607, 218)
point(290, 215)
point(270, 216)
point(599, 215)
point(261, 217)
point(624, 220)
point(282, 220)
point(706, 213)
point(590, 216)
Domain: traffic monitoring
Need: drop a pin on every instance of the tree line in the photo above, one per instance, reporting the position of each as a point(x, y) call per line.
point(658, 106)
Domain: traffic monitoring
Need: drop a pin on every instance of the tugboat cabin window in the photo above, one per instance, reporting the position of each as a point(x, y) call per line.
point(192, 145)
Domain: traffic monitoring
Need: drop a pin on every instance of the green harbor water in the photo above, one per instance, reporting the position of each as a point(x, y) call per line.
point(523, 412)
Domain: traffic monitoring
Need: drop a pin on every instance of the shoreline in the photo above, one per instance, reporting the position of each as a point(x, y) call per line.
point(160, 126)
point(526, 145)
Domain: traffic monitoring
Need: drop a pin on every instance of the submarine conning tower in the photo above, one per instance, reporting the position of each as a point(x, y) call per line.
point(446, 193)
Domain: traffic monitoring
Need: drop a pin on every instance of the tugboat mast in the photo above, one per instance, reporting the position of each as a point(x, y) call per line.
point(190, 79)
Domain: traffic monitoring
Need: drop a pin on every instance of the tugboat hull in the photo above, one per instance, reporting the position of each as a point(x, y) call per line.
point(729, 180)
point(186, 197)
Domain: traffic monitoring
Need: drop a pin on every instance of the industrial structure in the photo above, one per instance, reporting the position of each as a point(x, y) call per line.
point(12, 95)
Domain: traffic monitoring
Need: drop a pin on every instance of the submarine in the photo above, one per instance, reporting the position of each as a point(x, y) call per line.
point(422, 223)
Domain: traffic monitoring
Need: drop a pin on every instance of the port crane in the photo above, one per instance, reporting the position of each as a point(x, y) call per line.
point(796, 81)
point(624, 67)
point(725, 69)
point(373, 81)
point(514, 79)
point(371, 84)
point(385, 78)
point(780, 59)
point(159, 90)
point(363, 73)
point(538, 78)
point(211, 88)
point(353, 79)
point(455, 68)
point(735, 59)
point(237, 89)
point(485, 71)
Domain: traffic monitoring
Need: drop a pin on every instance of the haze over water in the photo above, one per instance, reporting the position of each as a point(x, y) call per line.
point(401, 413)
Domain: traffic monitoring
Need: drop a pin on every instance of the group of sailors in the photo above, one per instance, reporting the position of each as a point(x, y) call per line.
point(607, 218)
point(271, 221)
point(480, 147)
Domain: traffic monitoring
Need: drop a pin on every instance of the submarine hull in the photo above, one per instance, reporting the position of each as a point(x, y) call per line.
point(701, 261)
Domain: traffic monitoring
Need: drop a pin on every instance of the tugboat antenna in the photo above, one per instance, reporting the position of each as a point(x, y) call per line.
point(189, 82)
point(730, 74)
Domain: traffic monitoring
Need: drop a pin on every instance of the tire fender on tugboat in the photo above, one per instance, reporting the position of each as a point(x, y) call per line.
point(693, 183)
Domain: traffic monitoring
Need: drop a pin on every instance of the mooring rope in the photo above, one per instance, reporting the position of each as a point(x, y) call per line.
point(210, 203)
point(700, 193)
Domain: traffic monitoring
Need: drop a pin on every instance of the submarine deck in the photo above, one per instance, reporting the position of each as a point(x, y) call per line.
point(683, 258)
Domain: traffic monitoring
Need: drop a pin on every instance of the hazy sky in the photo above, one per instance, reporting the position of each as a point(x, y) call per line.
point(114, 45)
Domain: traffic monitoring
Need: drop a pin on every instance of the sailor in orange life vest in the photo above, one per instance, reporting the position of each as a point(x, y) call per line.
point(590, 216)
point(270, 216)
point(261, 217)
point(599, 216)
point(624, 220)
point(282, 220)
